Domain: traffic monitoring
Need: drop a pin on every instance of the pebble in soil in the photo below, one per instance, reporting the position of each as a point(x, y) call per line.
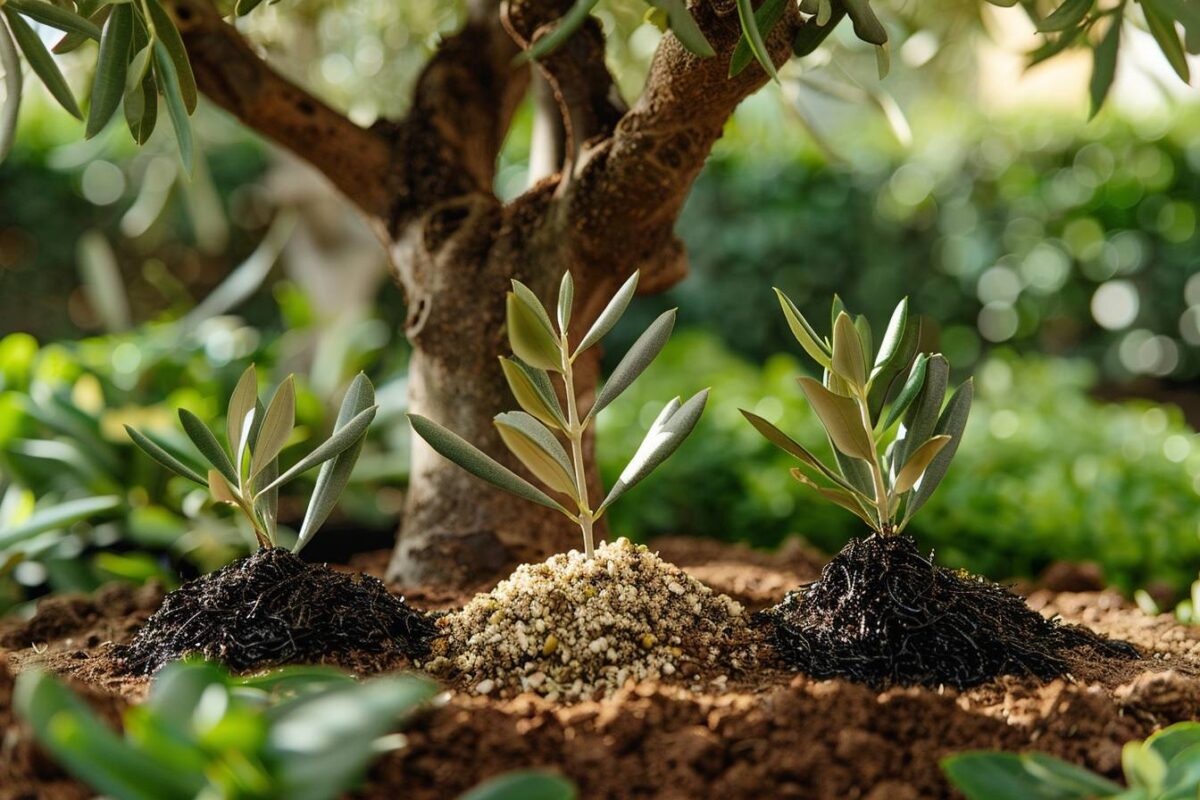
point(273, 608)
point(574, 628)
point(883, 614)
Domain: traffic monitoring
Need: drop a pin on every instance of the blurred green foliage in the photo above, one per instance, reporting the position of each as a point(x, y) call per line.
point(304, 732)
point(1032, 234)
point(1045, 472)
point(63, 407)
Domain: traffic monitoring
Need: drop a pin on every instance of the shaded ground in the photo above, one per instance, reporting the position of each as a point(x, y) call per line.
point(777, 735)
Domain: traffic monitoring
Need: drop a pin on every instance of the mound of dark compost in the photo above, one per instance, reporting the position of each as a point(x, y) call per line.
point(883, 614)
point(273, 608)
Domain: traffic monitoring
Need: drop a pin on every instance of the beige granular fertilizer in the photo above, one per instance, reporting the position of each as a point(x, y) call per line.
point(572, 628)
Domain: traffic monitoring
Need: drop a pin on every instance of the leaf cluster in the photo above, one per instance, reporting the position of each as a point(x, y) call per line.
point(1165, 766)
point(541, 347)
point(864, 394)
point(300, 732)
point(141, 57)
point(1173, 24)
point(245, 473)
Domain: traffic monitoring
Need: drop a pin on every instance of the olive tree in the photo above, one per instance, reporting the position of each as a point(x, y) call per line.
point(611, 175)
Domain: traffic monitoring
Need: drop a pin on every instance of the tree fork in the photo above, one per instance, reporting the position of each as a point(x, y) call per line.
point(425, 182)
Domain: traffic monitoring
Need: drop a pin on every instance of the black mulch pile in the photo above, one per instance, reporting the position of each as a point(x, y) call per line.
point(273, 608)
point(883, 614)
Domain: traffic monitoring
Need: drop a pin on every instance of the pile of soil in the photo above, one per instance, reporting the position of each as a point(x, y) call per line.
point(572, 628)
point(883, 614)
point(770, 732)
point(273, 608)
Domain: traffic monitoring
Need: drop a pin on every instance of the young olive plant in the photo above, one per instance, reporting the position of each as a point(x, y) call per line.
point(246, 474)
point(540, 348)
point(864, 394)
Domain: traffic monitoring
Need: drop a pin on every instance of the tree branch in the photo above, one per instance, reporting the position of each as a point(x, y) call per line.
point(631, 187)
point(587, 97)
point(446, 147)
point(233, 76)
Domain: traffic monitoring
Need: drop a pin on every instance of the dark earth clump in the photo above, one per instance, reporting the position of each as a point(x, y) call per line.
point(273, 608)
point(883, 614)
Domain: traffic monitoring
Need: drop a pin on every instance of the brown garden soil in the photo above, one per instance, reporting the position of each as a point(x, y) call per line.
point(768, 734)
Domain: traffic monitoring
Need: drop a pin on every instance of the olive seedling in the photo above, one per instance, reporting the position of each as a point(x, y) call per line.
point(540, 348)
point(863, 395)
point(246, 474)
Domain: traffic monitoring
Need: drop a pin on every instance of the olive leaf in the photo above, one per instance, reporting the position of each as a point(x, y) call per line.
point(952, 423)
point(530, 338)
point(841, 418)
point(159, 454)
point(526, 296)
point(683, 25)
point(40, 60)
point(456, 449)
point(909, 392)
point(1104, 65)
point(922, 415)
point(220, 489)
point(535, 446)
point(1068, 15)
point(168, 35)
point(108, 84)
point(167, 78)
point(918, 462)
point(673, 424)
point(837, 496)
point(1162, 27)
point(766, 18)
point(241, 403)
point(335, 473)
point(277, 427)
point(813, 33)
point(10, 62)
point(754, 38)
point(533, 391)
point(866, 25)
point(55, 16)
point(208, 445)
point(848, 361)
point(566, 298)
point(788, 445)
point(643, 351)
point(609, 316)
point(804, 333)
point(345, 436)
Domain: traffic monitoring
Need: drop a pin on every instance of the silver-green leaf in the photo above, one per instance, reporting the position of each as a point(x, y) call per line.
point(535, 446)
point(841, 418)
point(159, 454)
point(673, 425)
point(643, 351)
point(335, 473)
point(277, 427)
point(461, 452)
point(208, 445)
point(952, 423)
point(529, 336)
point(609, 316)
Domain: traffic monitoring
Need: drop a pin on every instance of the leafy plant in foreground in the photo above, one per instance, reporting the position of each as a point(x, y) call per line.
point(540, 349)
point(306, 733)
point(246, 473)
point(863, 395)
point(1165, 766)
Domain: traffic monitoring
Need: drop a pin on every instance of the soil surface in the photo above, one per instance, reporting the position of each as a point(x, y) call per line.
point(773, 734)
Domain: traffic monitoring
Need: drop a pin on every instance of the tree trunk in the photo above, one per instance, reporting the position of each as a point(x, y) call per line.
point(425, 181)
point(456, 268)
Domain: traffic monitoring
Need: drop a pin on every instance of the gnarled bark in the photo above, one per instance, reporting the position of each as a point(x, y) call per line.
point(426, 182)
